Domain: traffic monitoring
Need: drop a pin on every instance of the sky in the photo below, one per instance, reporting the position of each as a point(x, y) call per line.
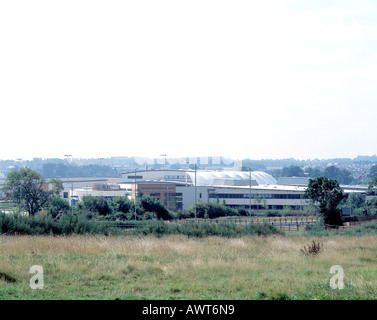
point(249, 79)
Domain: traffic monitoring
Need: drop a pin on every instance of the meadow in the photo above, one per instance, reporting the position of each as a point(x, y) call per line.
point(180, 267)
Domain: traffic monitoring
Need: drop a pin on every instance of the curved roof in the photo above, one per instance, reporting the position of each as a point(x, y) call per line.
point(206, 178)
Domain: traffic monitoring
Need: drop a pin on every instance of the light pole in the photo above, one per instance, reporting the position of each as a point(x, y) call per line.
point(250, 193)
point(67, 157)
point(195, 192)
point(72, 197)
point(19, 159)
point(135, 193)
point(164, 156)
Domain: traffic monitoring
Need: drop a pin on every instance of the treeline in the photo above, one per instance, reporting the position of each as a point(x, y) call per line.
point(58, 168)
point(111, 167)
point(343, 176)
point(64, 170)
point(74, 224)
point(147, 208)
point(14, 224)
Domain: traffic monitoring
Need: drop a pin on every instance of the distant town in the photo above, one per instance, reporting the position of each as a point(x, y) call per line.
point(180, 183)
point(70, 167)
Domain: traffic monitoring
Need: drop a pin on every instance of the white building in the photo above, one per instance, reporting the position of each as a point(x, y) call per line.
point(203, 178)
point(176, 188)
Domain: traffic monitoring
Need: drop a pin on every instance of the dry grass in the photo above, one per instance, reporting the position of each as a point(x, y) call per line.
point(175, 267)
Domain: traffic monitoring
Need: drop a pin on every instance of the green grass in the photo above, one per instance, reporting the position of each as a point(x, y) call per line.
point(178, 267)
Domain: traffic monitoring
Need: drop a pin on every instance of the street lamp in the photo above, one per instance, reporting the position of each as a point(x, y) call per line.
point(135, 193)
point(71, 200)
point(195, 192)
point(250, 192)
point(19, 159)
point(164, 156)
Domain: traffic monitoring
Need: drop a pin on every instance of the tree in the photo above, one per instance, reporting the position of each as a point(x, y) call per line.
point(96, 205)
point(355, 200)
point(313, 172)
point(328, 194)
point(372, 186)
point(57, 205)
point(32, 189)
point(343, 176)
point(292, 171)
point(152, 204)
point(120, 204)
point(373, 172)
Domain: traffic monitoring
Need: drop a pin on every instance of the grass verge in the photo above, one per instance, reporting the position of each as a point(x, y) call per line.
point(181, 267)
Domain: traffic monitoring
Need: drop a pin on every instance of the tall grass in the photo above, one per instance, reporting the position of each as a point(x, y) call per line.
point(177, 267)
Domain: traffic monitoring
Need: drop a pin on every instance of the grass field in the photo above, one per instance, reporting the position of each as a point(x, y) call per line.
point(177, 267)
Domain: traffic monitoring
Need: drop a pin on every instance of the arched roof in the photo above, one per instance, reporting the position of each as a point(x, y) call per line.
point(206, 178)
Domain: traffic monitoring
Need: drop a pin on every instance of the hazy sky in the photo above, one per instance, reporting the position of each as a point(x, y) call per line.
point(240, 79)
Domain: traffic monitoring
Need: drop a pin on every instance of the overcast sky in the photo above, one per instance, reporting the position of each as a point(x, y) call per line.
point(239, 79)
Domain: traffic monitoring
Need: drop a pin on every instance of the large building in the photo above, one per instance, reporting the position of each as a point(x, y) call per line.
point(237, 189)
point(179, 189)
point(200, 178)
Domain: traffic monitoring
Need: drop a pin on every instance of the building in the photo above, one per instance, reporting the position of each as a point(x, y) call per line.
point(199, 178)
point(236, 189)
point(76, 188)
point(179, 189)
point(166, 192)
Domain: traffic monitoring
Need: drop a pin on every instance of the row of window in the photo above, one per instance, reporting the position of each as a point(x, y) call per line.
point(167, 194)
point(259, 207)
point(254, 196)
point(135, 177)
point(175, 177)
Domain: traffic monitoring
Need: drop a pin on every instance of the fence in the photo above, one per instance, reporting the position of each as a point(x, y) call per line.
point(359, 220)
point(282, 223)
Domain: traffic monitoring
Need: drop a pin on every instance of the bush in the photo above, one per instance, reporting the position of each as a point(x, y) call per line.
point(190, 229)
point(66, 225)
point(362, 230)
point(312, 249)
point(210, 211)
point(156, 228)
point(273, 213)
point(152, 204)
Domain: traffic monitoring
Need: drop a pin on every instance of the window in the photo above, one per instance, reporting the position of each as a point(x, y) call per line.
point(174, 177)
point(134, 177)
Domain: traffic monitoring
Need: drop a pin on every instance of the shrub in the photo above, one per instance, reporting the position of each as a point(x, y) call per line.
point(66, 225)
point(152, 204)
point(209, 211)
point(190, 229)
point(312, 249)
point(273, 213)
point(156, 228)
